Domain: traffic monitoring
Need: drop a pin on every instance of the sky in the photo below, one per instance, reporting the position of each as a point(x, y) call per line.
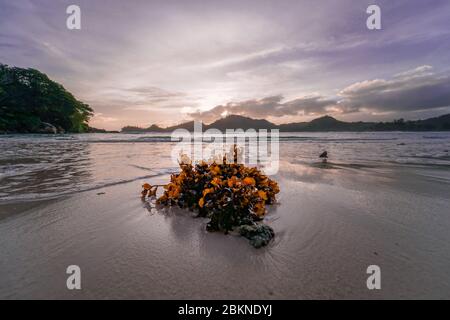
point(166, 62)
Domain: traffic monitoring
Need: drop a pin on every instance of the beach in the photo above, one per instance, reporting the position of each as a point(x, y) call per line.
point(382, 199)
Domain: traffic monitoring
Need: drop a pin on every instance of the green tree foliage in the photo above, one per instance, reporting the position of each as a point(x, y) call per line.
point(28, 98)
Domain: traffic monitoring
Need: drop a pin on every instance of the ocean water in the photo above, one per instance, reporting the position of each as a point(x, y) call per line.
point(34, 167)
point(47, 166)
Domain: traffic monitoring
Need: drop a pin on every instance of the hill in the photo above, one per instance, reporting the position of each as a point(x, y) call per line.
point(32, 103)
point(240, 122)
point(325, 123)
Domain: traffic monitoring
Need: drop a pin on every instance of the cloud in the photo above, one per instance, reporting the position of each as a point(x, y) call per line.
point(416, 89)
point(100, 118)
point(269, 107)
point(412, 90)
point(144, 98)
point(155, 94)
point(419, 71)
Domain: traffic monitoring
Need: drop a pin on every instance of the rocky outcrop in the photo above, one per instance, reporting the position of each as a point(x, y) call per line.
point(46, 127)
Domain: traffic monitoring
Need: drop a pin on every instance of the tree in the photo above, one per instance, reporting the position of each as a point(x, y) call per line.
point(28, 98)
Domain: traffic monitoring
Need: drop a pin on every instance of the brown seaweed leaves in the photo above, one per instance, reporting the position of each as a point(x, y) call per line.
point(148, 190)
point(230, 195)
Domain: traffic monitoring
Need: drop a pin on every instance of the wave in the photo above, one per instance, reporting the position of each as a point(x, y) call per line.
point(435, 137)
point(55, 195)
point(364, 137)
point(168, 139)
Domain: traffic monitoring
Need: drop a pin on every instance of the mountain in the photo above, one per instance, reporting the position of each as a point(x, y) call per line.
point(442, 123)
point(325, 123)
point(230, 122)
point(240, 122)
point(187, 125)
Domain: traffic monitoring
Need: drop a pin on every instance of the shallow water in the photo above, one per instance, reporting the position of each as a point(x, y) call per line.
point(47, 166)
point(381, 199)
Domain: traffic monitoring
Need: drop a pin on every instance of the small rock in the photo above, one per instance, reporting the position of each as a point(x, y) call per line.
point(258, 234)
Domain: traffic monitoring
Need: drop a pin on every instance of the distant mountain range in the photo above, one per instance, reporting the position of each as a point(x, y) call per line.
point(325, 123)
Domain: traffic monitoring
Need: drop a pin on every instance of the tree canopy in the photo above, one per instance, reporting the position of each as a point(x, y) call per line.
point(29, 99)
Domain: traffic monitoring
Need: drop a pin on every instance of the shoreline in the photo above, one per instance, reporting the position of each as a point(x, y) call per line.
point(169, 132)
point(330, 224)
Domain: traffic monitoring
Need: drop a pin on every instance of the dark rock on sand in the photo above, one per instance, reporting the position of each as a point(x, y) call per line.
point(258, 234)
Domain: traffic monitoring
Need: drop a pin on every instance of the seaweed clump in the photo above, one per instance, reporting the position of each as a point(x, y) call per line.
point(231, 195)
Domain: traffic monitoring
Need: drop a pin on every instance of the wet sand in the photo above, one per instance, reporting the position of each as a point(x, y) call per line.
point(331, 224)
